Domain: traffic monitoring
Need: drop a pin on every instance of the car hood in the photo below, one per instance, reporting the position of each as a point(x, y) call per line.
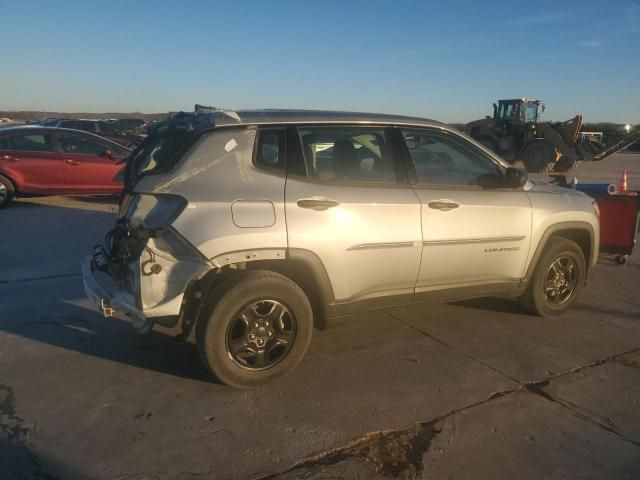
point(544, 187)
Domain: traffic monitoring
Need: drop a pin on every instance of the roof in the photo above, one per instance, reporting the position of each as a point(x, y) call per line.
point(42, 129)
point(519, 100)
point(262, 117)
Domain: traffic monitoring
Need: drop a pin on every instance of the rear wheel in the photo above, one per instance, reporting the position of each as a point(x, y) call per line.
point(539, 156)
point(7, 191)
point(256, 328)
point(558, 279)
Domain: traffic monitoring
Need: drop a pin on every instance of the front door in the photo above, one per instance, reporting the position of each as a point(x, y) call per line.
point(475, 232)
point(345, 204)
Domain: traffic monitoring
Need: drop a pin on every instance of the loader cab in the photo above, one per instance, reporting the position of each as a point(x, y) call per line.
point(517, 112)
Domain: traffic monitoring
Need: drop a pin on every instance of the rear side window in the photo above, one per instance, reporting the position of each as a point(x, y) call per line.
point(31, 143)
point(4, 143)
point(347, 154)
point(271, 149)
point(80, 145)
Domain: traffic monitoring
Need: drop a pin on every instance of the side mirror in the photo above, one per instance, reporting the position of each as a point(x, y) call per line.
point(515, 178)
point(108, 153)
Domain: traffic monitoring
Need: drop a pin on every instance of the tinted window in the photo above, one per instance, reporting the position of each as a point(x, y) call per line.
point(443, 159)
point(350, 154)
point(106, 128)
point(80, 145)
point(271, 149)
point(4, 143)
point(31, 143)
point(78, 125)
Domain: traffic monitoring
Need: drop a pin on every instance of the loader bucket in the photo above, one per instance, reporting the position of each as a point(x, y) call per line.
point(629, 139)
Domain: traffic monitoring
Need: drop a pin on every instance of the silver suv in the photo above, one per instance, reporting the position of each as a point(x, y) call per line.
point(249, 228)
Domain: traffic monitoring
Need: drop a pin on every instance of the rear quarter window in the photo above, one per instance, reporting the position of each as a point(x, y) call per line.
point(270, 150)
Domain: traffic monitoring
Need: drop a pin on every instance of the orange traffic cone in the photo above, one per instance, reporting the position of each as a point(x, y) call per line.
point(622, 187)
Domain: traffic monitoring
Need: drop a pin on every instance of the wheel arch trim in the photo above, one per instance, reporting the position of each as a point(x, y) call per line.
point(555, 229)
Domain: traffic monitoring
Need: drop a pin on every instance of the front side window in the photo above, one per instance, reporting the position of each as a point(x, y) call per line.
point(271, 149)
point(347, 154)
point(440, 158)
point(31, 143)
point(80, 145)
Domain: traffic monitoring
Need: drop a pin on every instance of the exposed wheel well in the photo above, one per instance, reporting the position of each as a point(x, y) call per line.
point(299, 271)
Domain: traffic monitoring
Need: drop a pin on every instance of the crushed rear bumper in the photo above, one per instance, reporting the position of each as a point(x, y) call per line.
point(109, 299)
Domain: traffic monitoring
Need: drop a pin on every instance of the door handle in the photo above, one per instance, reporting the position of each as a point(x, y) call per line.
point(9, 158)
point(68, 161)
point(444, 205)
point(317, 203)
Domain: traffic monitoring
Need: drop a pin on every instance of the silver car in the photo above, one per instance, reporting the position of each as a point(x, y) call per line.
point(250, 228)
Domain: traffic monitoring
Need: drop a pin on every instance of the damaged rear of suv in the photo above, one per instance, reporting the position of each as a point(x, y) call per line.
point(249, 228)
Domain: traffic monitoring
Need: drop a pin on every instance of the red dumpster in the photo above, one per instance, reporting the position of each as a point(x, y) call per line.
point(618, 223)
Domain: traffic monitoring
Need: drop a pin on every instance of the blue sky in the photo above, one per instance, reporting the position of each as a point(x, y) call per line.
point(447, 60)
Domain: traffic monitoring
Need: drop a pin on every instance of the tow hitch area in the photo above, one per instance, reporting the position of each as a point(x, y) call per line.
point(105, 306)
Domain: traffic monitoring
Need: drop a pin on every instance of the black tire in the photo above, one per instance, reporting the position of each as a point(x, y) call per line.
point(539, 156)
point(536, 299)
point(7, 192)
point(217, 326)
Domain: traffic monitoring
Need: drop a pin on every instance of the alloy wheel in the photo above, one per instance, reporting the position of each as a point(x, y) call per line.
point(560, 280)
point(261, 334)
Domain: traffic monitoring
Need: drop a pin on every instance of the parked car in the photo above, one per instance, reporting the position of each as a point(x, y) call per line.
point(56, 161)
point(99, 127)
point(129, 125)
point(252, 227)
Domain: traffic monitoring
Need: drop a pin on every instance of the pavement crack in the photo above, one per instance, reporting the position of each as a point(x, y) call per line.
point(537, 388)
point(11, 425)
point(620, 357)
point(457, 350)
point(396, 453)
point(15, 430)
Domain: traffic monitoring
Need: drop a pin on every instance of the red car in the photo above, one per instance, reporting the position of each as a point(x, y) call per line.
point(57, 161)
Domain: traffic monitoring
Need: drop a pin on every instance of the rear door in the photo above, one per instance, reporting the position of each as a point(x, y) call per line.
point(475, 233)
point(87, 165)
point(346, 204)
point(31, 161)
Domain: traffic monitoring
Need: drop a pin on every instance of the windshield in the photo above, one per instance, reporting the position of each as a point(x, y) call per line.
point(531, 112)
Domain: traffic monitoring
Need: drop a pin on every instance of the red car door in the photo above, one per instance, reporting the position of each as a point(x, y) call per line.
point(31, 161)
point(90, 166)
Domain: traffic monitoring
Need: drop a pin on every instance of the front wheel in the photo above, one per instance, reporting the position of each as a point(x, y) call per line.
point(558, 279)
point(539, 156)
point(255, 328)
